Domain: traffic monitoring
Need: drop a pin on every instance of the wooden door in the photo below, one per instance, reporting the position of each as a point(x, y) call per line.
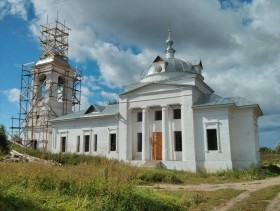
point(157, 145)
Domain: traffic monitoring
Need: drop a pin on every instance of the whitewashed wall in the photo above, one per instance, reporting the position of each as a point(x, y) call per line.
point(244, 135)
point(102, 127)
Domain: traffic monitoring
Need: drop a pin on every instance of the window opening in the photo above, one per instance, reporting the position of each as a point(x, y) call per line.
point(86, 138)
point(212, 139)
point(42, 86)
point(177, 113)
point(139, 116)
point(158, 115)
point(139, 142)
point(95, 142)
point(63, 144)
point(178, 141)
point(60, 89)
point(113, 142)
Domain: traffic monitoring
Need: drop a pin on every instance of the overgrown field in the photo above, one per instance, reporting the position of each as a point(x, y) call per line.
point(96, 183)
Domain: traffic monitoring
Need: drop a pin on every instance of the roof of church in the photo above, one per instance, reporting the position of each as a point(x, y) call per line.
point(164, 66)
point(216, 100)
point(92, 111)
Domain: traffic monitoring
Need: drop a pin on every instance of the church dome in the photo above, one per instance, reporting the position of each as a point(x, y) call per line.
point(169, 67)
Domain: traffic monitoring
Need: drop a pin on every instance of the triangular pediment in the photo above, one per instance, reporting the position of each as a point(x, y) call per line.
point(155, 88)
point(157, 59)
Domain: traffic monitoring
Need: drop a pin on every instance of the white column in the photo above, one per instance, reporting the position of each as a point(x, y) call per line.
point(183, 126)
point(82, 144)
point(145, 134)
point(164, 132)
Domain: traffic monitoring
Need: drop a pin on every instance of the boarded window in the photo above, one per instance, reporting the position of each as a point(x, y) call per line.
point(212, 139)
point(95, 142)
point(78, 143)
point(178, 141)
point(113, 140)
point(177, 114)
point(158, 115)
point(139, 142)
point(86, 139)
point(63, 144)
point(139, 116)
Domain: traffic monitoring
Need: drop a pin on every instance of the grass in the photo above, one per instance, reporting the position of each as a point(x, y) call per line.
point(200, 200)
point(96, 183)
point(258, 200)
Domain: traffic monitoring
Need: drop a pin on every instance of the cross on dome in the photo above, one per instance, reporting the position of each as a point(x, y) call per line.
point(169, 52)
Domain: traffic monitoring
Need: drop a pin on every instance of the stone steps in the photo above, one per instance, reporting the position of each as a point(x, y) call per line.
point(152, 164)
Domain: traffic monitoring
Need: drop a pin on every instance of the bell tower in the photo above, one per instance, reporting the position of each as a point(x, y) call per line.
point(52, 91)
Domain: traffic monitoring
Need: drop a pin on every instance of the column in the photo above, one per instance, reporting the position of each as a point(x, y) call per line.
point(164, 132)
point(183, 126)
point(82, 144)
point(145, 134)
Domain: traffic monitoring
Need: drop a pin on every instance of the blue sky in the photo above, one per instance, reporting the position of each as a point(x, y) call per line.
point(237, 41)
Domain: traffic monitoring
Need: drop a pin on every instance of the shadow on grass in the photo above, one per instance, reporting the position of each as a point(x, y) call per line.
point(10, 203)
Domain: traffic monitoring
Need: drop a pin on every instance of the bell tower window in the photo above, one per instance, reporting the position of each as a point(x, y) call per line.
point(60, 89)
point(42, 86)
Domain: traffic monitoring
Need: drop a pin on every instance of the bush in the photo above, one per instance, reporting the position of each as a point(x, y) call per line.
point(277, 148)
point(4, 144)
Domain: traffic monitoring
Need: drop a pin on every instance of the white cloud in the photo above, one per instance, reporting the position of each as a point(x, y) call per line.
point(13, 95)
point(13, 7)
point(85, 95)
point(109, 96)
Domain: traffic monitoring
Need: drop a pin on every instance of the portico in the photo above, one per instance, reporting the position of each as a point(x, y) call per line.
point(158, 128)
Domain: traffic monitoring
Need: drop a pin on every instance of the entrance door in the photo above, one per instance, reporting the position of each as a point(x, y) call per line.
point(157, 145)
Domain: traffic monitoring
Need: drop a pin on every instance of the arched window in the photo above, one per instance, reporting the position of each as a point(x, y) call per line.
point(42, 86)
point(60, 89)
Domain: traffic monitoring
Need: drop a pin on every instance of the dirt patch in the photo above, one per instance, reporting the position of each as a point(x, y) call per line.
point(248, 187)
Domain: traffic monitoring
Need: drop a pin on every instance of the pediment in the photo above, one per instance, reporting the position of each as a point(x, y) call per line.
point(155, 88)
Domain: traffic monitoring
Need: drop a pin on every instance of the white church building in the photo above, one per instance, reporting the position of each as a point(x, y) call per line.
point(170, 115)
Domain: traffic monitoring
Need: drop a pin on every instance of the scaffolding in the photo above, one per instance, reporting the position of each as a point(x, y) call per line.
point(54, 40)
point(49, 88)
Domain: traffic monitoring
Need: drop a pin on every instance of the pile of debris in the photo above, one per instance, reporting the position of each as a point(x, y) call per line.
point(15, 156)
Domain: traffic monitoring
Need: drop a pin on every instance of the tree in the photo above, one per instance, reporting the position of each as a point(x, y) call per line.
point(4, 145)
point(277, 148)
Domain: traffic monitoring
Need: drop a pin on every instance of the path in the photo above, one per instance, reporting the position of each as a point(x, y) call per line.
point(249, 187)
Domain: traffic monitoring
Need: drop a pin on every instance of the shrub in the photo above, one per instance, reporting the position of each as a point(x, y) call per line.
point(4, 144)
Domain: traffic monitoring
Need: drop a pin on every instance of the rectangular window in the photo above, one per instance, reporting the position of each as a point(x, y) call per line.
point(86, 144)
point(178, 141)
point(158, 115)
point(139, 116)
point(212, 139)
point(63, 144)
point(113, 140)
point(95, 142)
point(78, 143)
point(139, 142)
point(177, 114)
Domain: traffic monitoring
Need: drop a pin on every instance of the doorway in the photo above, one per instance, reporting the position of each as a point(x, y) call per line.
point(157, 145)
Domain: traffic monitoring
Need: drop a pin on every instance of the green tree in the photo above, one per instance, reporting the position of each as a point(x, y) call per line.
point(4, 144)
point(277, 148)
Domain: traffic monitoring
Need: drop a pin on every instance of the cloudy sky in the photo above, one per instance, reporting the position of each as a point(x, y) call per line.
point(112, 42)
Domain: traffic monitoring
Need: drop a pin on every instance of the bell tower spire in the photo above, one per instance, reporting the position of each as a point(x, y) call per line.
point(169, 52)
